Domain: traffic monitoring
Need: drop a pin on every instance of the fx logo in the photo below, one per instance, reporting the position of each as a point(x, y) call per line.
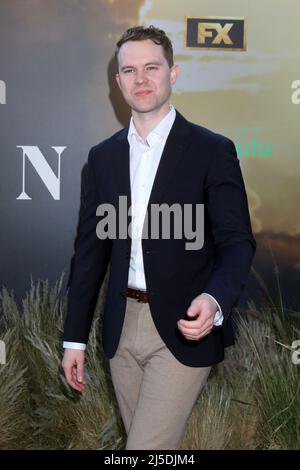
point(226, 34)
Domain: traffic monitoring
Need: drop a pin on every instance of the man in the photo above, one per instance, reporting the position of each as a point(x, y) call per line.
point(167, 313)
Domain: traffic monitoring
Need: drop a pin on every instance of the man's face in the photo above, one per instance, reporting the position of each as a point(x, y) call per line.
point(145, 77)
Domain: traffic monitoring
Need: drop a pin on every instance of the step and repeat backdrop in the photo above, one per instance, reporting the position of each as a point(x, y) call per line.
point(240, 76)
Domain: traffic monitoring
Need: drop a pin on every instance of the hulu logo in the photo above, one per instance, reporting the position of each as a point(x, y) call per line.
point(252, 146)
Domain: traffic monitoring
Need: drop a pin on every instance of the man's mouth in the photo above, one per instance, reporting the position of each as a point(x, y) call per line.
point(143, 92)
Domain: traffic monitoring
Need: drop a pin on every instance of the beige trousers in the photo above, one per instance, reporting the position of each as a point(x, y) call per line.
point(155, 392)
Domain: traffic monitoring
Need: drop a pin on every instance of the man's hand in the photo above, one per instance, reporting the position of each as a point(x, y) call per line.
point(73, 365)
point(203, 309)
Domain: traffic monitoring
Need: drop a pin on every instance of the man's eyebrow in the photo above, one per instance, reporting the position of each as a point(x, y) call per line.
point(148, 63)
point(154, 62)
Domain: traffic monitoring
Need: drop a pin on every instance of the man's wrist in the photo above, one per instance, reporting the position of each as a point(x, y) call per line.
point(72, 345)
point(218, 317)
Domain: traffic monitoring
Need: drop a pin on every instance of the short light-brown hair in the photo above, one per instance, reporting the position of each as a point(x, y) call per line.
point(141, 33)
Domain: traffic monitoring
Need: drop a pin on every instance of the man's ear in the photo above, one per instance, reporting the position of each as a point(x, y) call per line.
point(174, 73)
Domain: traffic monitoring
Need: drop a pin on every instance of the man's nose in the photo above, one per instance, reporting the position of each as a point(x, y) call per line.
point(140, 76)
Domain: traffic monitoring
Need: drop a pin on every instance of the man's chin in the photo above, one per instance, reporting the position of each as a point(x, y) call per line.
point(145, 108)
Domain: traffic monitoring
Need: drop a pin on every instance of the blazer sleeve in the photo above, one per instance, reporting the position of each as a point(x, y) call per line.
point(228, 213)
point(89, 264)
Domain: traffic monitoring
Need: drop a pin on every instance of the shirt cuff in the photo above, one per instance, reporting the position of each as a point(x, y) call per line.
point(70, 345)
point(218, 320)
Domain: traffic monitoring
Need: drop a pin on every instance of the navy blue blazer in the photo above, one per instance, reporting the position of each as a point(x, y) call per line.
point(197, 167)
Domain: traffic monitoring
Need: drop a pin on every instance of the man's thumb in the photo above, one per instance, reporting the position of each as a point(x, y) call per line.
point(192, 310)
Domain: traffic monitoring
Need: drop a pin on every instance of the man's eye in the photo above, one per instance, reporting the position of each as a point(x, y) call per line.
point(128, 71)
point(152, 67)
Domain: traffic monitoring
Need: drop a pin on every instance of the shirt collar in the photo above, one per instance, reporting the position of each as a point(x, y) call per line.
point(161, 130)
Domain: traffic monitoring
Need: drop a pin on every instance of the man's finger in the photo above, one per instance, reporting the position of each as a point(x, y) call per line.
point(190, 324)
point(205, 332)
point(69, 374)
point(75, 379)
point(198, 336)
point(79, 372)
point(195, 332)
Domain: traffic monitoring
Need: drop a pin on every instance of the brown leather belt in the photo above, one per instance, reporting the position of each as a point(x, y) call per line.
point(139, 295)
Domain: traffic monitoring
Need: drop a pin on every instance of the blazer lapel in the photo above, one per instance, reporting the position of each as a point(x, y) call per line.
point(171, 156)
point(120, 159)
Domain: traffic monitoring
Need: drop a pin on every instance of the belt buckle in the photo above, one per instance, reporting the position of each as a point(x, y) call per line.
point(138, 295)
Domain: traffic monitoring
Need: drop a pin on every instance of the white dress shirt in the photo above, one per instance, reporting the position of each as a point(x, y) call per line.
point(144, 161)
